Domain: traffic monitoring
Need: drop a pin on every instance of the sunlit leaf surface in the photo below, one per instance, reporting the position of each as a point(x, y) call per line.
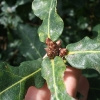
point(52, 25)
point(53, 72)
point(85, 53)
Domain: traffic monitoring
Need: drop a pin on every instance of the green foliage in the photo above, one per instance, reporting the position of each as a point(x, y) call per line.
point(20, 45)
point(52, 25)
point(53, 71)
point(33, 48)
point(85, 53)
point(14, 79)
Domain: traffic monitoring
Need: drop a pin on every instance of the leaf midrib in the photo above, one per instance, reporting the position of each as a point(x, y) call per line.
point(82, 52)
point(53, 69)
point(23, 79)
point(49, 19)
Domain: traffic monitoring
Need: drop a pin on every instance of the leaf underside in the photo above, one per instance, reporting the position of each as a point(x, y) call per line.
point(53, 71)
point(52, 25)
point(85, 53)
point(14, 81)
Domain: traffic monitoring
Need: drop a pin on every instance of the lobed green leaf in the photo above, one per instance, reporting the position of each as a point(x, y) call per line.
point(14, 81)
point(52, 25)
point(85, 53)
point(53, 72)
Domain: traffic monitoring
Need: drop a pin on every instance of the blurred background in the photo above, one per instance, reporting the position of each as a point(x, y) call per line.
point(19, 39)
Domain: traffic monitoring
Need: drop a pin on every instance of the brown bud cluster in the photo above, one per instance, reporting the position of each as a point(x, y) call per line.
point(54, 49)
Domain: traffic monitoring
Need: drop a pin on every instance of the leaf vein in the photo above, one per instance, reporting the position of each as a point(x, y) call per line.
point(20, 81)
point(49, 19)
point(55, 88)
point(82, 52)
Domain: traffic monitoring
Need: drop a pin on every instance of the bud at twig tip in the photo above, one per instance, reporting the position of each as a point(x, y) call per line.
point(59, 43)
